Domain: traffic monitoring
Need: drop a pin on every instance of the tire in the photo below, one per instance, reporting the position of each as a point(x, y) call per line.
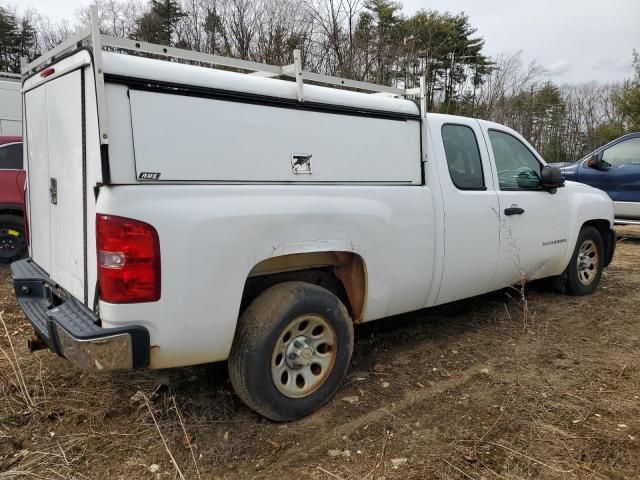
point(582, 275)
point(13, 243)
point(297, 328)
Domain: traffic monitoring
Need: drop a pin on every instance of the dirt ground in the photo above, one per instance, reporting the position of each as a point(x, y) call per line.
point(491, 387)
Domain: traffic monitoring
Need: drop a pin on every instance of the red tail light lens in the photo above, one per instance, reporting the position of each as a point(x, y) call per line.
point(128, 260)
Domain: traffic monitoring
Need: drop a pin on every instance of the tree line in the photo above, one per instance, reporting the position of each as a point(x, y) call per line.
point(368, 40)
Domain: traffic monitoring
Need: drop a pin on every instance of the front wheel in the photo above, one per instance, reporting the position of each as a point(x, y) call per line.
point(292, 348)
point(582, 275)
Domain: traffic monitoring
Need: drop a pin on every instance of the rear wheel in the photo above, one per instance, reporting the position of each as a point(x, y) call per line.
point(582, 275)
point(13, 243)
point(292, 348)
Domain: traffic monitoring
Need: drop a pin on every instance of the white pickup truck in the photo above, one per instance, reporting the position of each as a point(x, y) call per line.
point(181, 215)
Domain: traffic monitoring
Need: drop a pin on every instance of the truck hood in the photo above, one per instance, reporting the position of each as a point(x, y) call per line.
point(583, 186)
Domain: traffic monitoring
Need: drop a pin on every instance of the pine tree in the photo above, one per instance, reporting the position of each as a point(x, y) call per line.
point(8, 39)
point(17, 40)
point(159, 23)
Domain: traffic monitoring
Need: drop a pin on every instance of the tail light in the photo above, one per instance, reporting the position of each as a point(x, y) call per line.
point(49, 71)
point(128, 260)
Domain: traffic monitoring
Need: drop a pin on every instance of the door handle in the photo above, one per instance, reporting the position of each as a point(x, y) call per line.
point(513, 211)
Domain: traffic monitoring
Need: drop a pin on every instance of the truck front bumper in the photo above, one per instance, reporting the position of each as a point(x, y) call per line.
point(72, 330)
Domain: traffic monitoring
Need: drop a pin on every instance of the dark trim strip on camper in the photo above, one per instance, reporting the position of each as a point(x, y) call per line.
point(252, 98)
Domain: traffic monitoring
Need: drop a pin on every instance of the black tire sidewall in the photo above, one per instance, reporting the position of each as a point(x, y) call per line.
point(14, 222)
point(573, 283)
point(258, 363)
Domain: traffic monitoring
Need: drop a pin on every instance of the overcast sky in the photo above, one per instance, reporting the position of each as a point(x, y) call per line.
point(575, 40)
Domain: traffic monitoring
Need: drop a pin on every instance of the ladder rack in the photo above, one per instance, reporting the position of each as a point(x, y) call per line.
point(89, 36)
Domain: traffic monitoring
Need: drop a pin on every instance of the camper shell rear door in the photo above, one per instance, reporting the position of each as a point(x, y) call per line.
point(63, 165)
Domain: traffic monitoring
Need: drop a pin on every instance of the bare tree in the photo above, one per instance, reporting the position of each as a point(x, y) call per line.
point(117, 18)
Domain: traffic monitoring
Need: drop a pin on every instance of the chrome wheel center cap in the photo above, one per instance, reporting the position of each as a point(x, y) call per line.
point(299, 353)
point(584, 261)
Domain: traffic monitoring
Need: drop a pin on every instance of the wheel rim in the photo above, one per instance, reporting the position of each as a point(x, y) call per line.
point(303, 356)
point(11, 243)
point(587, 262)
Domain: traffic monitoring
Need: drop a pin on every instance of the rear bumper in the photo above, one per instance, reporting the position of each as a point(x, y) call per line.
point(72, 330)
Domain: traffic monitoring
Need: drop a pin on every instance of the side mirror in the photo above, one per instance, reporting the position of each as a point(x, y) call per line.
point(597, 163)
point(551, 178)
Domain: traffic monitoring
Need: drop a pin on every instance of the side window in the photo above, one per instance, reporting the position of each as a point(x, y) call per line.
point(518, 168)
point(463, 157)
point(623, 153)
point(11, 156)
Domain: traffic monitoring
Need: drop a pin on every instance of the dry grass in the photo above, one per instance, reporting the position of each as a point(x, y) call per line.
point(16, 383)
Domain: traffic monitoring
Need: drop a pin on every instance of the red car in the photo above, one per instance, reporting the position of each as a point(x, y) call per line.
point(13, 241)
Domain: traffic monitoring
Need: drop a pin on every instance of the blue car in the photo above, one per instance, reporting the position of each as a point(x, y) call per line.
point(614, 168)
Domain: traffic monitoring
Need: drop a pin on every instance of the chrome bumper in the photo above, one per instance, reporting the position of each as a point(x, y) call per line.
point(72, 330)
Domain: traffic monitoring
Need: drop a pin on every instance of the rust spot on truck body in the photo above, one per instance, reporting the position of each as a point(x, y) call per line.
point(348, 268)
point(353, 277)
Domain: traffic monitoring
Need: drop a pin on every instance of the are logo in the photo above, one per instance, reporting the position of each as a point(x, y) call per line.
point(149, 176)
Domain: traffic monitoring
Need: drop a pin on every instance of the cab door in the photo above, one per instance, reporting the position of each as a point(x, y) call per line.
point(12, 175)
point(534, 223)
point(471, 218)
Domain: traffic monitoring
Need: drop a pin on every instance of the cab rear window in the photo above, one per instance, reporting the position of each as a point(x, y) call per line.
point(463, 157)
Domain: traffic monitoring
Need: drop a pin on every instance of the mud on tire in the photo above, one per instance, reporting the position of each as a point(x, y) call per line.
point(292, 348)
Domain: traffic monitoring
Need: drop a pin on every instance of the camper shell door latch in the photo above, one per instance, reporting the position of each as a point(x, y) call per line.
point(53, 191)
